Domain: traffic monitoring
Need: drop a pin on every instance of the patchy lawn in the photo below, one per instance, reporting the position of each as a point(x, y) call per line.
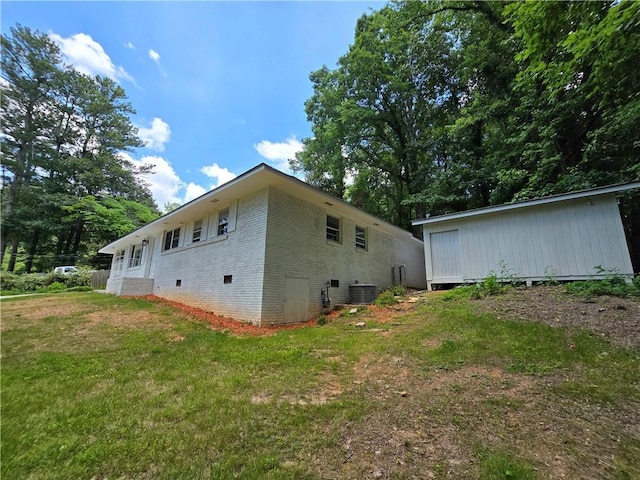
point(529, 384)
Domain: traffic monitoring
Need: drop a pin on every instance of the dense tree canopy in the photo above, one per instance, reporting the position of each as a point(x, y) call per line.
point(444, 106)
point(66, 190)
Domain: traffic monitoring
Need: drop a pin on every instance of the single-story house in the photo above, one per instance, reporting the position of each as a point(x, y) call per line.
point(573, 236)
point(265, 248)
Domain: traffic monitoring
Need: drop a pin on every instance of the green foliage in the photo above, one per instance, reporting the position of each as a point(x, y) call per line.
point(491, 285)
point(614, 285)
point(389, 296)
point(204, 404)
point(69, 189)
point(54, 287)
point(398, 290)
point(12, 284)
point(445, 106)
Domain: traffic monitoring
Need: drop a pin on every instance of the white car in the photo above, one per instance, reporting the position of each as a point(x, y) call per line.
point(66, 270)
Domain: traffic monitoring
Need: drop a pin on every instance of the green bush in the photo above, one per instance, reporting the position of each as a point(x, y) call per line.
point(491, 285)
point(11, 283)
point(615, 285)
point(386, 298)
point(398, 290)
point(54, 287)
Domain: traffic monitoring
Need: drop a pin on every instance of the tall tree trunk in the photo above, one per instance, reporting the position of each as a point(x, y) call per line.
point(14, 254)
point(32, 249)
point(4, 242)
point(69, 239)
point(78, 227)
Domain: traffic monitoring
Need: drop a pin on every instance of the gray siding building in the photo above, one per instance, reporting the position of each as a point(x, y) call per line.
point(574, 236)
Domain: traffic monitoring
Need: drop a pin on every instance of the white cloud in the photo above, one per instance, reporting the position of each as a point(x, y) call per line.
point(223, 175)
point(155, 56)
point(87, 56)
point(155, 136)
point(193, 190)
point(279, 153)
point(165, 184)
point(130, 45)
point(163, 181)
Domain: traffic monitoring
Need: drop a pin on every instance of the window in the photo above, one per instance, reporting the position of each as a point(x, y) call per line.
point(223, 222)
point(118, 261)
point(136, 256)
point(334, 283)
point(179, 283)
point(171, 239)
point(361, 237)
point(197, 231)
point(333, 228)
point(227, 279)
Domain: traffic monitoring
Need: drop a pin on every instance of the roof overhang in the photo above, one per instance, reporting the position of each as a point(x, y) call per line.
point(608, 190)
point(257, 178)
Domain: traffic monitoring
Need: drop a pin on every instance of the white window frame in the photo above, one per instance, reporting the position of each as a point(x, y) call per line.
point(196, 236)
point(118, 260)
point(333, 234)
point(135, 258)
point(222, 228)
point(361, 238)
point(172, 238)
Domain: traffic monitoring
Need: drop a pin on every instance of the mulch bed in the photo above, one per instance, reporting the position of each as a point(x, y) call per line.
point(227, 324)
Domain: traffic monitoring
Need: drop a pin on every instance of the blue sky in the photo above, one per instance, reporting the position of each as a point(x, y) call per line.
point(219, 87)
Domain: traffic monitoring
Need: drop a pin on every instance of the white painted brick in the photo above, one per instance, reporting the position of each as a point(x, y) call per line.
point(276, 236)
point(297, 247)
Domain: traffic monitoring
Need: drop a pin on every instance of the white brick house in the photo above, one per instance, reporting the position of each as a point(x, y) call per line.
point(262, 248)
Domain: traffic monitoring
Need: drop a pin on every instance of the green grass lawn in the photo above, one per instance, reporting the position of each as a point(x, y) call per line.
point(95, 386)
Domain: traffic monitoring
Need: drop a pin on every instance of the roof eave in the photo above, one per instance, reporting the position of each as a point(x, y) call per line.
point(158, 224)
point(529, 203)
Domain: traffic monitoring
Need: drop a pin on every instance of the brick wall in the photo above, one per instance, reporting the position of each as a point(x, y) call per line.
point(297, 248)
point(201, 268)
point(130, 286)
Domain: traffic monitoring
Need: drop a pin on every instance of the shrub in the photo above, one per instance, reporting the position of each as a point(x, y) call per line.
point(386, 298)
point(398, 290)
point(491, 285)
point(614, 285)
point(42, 282)
point(54, 287)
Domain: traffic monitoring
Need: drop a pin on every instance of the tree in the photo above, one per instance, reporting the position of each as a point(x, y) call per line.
point(64, 132)
point(30, 74)
point(377, 113)
point(444, 106)
point(579, 95)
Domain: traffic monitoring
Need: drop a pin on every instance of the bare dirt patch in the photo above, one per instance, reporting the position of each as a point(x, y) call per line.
point(430, 424)
point(615, 318)
point(327, 390)
point(24, 314)
point(127, 319)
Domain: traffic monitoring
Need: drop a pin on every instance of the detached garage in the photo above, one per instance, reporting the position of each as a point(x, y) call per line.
point(574, 236)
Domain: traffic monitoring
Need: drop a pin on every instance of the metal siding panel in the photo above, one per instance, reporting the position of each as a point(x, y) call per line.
point(445, 256)
point(569, 238)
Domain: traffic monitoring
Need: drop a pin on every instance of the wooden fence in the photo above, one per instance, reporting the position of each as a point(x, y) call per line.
point(99, 279)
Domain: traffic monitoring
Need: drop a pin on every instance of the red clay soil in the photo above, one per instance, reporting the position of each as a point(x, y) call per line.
point(228, 324)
